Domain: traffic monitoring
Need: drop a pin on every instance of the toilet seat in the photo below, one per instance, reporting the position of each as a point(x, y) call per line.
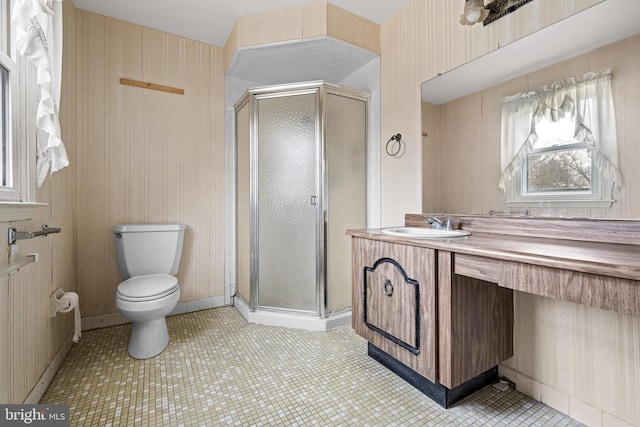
point(148, 287)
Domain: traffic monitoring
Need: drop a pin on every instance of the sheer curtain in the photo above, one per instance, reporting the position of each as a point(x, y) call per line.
point(38, 26)
point(588, 102)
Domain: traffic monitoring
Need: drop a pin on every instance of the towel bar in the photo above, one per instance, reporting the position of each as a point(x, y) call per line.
point(18, 235)
point(21, 261)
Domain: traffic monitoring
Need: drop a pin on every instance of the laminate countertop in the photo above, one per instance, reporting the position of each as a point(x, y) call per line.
point(608, 259)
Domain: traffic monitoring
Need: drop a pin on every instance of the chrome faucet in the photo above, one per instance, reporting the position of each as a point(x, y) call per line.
point(437, 224)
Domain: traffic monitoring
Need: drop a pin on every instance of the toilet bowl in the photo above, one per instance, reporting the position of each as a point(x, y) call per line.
point(146, 300)
point(148, 259)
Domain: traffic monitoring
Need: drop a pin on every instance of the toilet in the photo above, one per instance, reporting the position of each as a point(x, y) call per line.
point(148, 259)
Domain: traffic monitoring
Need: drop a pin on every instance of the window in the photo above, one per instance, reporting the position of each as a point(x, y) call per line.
point(559, 144)
point(31, 144)
point(558, 162)
point(9, 180)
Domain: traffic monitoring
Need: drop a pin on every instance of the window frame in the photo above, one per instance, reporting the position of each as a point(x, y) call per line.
point(600, 195)
point(10, 113)
point(556, 149)
point(21, 121)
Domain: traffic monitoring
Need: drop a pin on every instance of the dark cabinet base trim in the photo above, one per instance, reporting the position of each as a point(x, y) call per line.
point(437, 392)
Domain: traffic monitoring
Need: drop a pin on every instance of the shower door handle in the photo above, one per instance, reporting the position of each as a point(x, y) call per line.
point(314, 200)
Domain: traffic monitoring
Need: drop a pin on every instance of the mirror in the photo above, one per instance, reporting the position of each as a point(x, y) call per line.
point(467, 166)
point(580, 33)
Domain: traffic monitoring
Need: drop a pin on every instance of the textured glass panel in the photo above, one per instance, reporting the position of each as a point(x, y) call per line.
point(345, 148)
point(243, 200)
point(287, 218)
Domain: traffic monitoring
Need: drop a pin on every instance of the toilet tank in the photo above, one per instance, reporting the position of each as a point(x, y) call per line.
point(148, 248)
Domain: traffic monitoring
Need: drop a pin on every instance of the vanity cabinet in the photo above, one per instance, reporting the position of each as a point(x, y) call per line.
point(465, 288)
point(394, 301)
point(443, 332)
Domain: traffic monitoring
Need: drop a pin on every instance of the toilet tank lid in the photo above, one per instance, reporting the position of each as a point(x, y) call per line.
point(137, 228)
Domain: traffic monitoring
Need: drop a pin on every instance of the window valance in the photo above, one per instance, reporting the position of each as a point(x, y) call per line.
point(585, 99)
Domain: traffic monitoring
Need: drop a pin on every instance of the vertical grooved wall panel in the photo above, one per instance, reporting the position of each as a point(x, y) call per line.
point(148, 156)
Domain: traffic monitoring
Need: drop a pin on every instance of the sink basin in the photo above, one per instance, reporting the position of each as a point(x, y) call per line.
point(424, 232)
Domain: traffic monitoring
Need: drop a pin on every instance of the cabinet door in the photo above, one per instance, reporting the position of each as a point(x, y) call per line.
point(394, 301)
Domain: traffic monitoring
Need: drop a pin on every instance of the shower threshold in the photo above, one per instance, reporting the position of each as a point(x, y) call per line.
point(289, 320)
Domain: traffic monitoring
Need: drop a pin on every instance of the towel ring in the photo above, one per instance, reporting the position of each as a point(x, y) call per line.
point(391, 150)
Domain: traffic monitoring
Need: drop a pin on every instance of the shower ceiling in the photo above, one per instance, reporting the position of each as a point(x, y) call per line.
point(211, 21)
point(324, 58)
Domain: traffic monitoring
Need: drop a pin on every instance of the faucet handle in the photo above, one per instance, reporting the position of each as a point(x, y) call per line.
point(436, 223)
point(449, 225)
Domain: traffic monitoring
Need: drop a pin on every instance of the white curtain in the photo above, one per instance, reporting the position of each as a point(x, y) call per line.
point(39, 38)
point(588, 102)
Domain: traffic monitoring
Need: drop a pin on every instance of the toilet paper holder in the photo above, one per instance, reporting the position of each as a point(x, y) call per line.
point(56, 306)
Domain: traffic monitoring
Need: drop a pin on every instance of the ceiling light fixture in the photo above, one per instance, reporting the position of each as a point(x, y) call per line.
point(474, 11)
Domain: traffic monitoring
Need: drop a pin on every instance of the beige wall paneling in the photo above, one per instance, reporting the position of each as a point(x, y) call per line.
point(353, 29)
point(460, 150)
point(624, 58)
point(270, 27)
point(586, 353)
point(30, 338)
point(177, 142)
point(430, 158)
point(231, 46)
point(148, 156)
point(212, 158)
point(401, 176)
point(6, 368)
point(314, 20)
point(110, 147)
point(63, 197)
point(490, 112)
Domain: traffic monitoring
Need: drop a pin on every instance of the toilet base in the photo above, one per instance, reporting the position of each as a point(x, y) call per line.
point(148, 339)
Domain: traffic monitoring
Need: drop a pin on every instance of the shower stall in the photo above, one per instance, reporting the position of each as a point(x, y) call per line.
point(301, 155)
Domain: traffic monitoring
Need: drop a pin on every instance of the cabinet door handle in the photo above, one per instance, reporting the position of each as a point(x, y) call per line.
point(388, 287)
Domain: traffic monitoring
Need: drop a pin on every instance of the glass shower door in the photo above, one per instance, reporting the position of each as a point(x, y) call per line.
point(287, 190)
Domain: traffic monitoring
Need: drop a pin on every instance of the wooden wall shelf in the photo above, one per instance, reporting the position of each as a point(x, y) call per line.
point(148, 85)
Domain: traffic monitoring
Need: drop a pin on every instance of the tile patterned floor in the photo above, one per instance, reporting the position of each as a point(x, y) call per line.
point(219, 370)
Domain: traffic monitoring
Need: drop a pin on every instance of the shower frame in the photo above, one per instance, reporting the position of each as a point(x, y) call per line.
point(321, 90)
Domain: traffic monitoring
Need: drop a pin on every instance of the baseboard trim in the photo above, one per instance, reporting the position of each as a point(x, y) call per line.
point(45, 380)
point(114, 319)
